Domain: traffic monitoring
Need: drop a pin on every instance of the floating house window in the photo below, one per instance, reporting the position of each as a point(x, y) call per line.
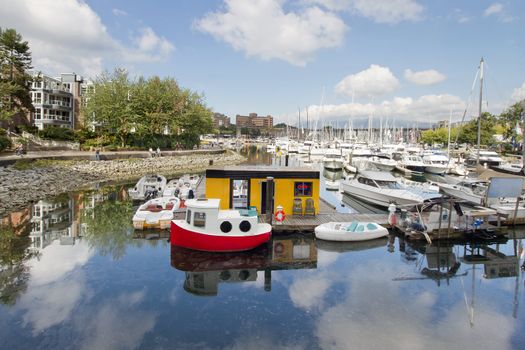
point(199, 219)
point(303, 189)
point(188, 217)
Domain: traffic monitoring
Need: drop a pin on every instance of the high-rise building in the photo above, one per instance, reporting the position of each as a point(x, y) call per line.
point(57, 101)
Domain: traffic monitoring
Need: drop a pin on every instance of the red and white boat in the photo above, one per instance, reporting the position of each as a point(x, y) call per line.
point(208, 228)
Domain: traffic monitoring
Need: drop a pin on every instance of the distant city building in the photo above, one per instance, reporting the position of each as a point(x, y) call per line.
point(254, 121)
point(444, 124)
point(57, 101)
point(220, 119)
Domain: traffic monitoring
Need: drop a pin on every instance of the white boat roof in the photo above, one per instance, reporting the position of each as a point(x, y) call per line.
point(377, 175)
point(203, 203)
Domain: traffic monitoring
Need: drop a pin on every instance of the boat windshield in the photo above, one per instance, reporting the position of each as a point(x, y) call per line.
point(392, 185)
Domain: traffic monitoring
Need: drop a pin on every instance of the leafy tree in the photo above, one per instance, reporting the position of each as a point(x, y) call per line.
point(15, 61)
point(109, 104)
point(511, 117)
point(469, 131)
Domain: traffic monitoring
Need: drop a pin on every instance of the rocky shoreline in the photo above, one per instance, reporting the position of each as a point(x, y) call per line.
point(18, 188)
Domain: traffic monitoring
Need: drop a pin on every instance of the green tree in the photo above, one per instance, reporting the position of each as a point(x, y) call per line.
point(469, 132)
point(15, 61)
point(511, 117)
point(109, 105)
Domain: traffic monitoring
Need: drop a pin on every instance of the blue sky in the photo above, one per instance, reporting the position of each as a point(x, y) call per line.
point(396, 59)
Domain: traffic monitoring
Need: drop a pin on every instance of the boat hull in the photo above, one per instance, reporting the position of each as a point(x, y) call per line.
point(455, 191)
point(435, 169)
point(382, 197)
point(183, 237)
point(328, 233)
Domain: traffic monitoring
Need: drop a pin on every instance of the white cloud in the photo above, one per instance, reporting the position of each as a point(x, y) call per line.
point(372, 82)
point(66, 36)
point(519, 93)
point(498, 10)
point(493, 9)
point(262, 28)
point(380, 11)
point(427, 108)
point(424, 77)
point(119, 12)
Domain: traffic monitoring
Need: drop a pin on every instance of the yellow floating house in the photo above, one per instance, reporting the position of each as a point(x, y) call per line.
point(295, 189)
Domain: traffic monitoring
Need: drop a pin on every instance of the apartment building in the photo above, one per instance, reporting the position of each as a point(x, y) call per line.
point(254, 121)
point(220, 119)
point(57, 101)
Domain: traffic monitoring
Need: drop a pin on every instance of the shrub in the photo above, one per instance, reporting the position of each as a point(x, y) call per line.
point(5, 142)
point(30, 129)
point(57, 133)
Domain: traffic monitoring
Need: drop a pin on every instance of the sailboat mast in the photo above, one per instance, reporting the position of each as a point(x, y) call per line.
point(480, 103)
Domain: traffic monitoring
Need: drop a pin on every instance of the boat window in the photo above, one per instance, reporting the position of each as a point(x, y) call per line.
point(388, 184)
point(199, 219)
point(245, 226)
point(303, 189)
point(366, 181)
point(188, 217)
point(226, 226)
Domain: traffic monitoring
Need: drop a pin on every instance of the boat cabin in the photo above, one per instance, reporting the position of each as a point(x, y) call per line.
point(243, 187)
point(379, 179)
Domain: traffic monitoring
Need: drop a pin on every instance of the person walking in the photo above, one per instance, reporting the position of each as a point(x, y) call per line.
point(158, 152)
point(97, 154)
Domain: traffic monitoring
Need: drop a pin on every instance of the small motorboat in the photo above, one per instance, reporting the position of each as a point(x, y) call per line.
point(208, 228)
point(350, 231)
point(333, 159)
point(383, 163)
point(149, 186)
point(181, 187)
point(156, 213)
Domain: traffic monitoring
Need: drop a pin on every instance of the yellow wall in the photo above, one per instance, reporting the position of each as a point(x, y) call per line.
point(284, 194)
point(219, 188)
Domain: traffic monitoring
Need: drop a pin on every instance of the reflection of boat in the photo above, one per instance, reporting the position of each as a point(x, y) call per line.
point(350, 231)
point(206, 270)
point(340, 247)
point(209, 229)
point(156, 213)
point(148, 186)
point(332, 179)
point(381, 188)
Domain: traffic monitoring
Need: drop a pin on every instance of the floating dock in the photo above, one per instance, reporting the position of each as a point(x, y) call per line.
point(306, 223)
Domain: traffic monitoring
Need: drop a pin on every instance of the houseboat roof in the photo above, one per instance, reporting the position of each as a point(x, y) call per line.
point(203, 203)
point(377, 175)
point(247, 172)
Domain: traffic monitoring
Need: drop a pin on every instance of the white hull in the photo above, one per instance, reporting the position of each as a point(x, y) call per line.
point(457, 192)
point(333, 164)
point(436, 169)
point(337, 231)
point(331, 185)
point(382, 197)
point(383, 166)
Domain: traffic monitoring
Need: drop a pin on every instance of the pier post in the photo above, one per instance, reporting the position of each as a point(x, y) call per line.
point(269, 199)
point(268, 280)
point(286, 160)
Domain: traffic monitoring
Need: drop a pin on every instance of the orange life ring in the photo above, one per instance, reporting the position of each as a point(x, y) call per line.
point(280, 216)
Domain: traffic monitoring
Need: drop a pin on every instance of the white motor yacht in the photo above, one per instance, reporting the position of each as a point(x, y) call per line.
point(436, 163)
point(490, 158)
point(472, 191)
point(333, 159)
point(410, 163)
point(383, 163)
point(149, 186)
point(382, 188)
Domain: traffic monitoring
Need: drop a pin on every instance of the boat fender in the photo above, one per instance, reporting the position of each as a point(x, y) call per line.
point(280, 215)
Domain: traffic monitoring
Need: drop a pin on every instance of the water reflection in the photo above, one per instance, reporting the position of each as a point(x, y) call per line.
point(205, 270)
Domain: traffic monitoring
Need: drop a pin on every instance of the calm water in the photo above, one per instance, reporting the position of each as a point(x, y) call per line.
point(74, 274)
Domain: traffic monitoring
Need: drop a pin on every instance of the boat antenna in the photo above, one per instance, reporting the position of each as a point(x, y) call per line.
point(480, 104)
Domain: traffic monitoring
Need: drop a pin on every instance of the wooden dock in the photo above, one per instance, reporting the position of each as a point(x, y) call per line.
point(305, 223)
point(328, 213)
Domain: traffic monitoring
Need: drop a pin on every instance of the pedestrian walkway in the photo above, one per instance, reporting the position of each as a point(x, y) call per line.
point(7, 158)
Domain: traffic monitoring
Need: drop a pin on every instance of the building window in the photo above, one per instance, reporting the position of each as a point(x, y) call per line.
point(188, 217)
point(199, 219)
point(303, 189)
point(38, 113)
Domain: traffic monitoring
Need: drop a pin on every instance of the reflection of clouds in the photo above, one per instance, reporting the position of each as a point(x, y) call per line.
point(325, 258)
point(265, 341)
point(117, 324)
point(381, 313)
point(57, 260)
point(309, 292)
point(51, 297)
point(51, 304)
